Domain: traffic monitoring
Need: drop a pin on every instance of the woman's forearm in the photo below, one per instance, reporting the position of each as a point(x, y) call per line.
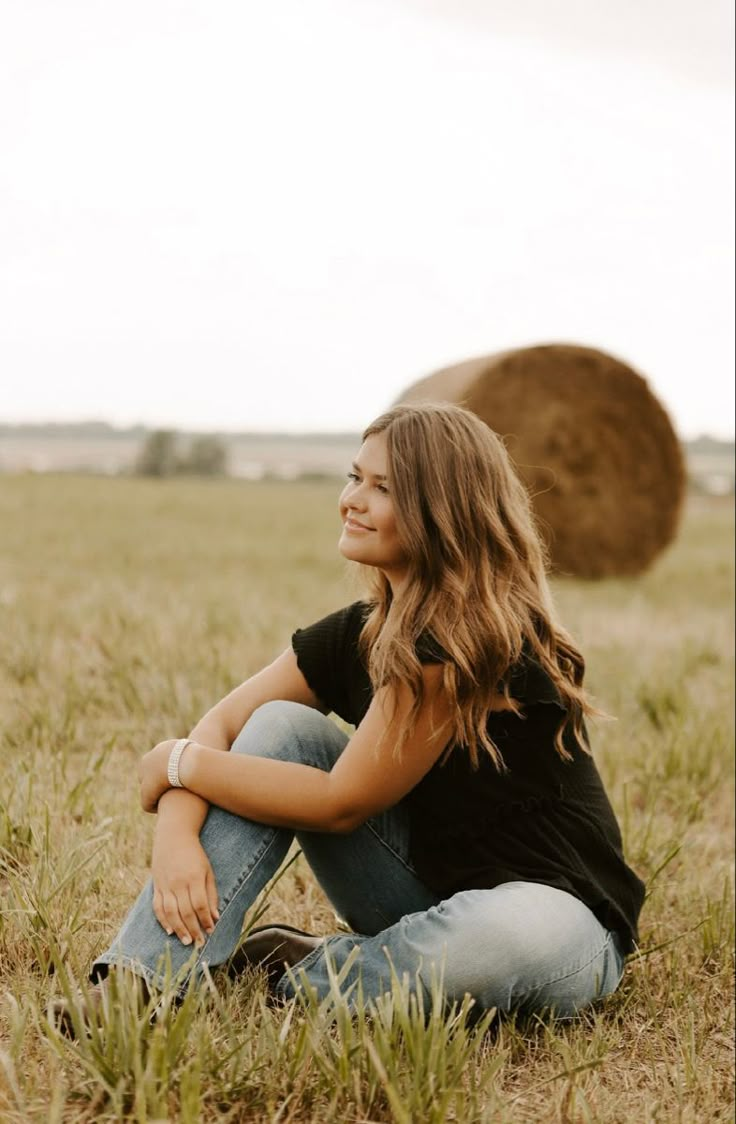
point(279, 793)
point(179, 810)
point(219, 727)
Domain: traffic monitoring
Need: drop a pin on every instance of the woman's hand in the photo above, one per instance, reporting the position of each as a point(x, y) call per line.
point(184, 890)
point(152, 774)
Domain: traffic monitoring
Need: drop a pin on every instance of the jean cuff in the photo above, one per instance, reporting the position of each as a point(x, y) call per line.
point(154, 980)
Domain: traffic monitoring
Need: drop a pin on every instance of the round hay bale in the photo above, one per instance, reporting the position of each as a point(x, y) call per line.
point(592, 443)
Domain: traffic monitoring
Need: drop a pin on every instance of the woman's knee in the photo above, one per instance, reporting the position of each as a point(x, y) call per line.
point(497, 946)
point(476, 950)
point(290, 731)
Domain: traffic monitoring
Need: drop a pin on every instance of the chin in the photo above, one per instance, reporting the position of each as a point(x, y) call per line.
point(350, 554)
point(347, 550)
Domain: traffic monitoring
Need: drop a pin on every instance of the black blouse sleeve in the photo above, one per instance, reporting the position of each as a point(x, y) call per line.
point(528, 682)
point(326, 653)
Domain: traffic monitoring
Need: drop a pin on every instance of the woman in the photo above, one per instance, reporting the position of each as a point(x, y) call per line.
point(463, 831)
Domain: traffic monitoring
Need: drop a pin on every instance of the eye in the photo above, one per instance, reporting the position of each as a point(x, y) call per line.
point(353, 476)
point(382, 488)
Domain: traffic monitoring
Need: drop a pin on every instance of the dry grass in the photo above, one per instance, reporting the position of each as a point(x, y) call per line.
point(127, 607)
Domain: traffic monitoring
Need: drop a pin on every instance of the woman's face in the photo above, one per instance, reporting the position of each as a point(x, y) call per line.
point(369, 532)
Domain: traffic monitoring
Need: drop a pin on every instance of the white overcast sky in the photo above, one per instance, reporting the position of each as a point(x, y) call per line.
point(275, 215)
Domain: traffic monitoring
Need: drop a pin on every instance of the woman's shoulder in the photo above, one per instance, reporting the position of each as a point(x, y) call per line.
point(530, 683)
point(338, 625)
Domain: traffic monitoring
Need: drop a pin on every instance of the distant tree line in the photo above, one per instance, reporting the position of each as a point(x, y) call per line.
point(162, 455)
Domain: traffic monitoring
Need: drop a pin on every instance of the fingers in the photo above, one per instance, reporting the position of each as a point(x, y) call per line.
point(167, 912)
point(200, 906)
point(148, 803)
point(189, 912)
point(181, 918)
point(158, 910)
point(211, 888)
point(166, 907)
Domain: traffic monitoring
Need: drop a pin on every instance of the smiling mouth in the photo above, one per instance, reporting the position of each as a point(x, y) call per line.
point(351, 525)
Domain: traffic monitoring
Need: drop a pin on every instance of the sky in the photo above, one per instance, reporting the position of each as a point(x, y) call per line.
point(249, 216)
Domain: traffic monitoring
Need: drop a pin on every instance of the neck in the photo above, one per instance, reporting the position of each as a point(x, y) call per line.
point(397, 581)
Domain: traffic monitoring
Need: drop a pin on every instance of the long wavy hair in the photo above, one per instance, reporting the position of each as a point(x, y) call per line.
point(477, 577)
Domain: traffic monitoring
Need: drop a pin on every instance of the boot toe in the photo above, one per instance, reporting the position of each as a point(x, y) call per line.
point(273, 948)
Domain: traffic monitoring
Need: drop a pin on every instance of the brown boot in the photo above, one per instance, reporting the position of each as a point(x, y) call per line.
point(274, 948)
point(88, 1006)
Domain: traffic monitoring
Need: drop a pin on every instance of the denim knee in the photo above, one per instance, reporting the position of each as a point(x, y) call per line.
point(291, 731)
point(527, 946)
point(518, 946)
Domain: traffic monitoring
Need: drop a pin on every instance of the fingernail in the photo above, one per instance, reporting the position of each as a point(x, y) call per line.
point(186, 940)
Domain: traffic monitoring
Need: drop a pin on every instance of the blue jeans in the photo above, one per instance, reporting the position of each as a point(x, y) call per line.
point(520, 945)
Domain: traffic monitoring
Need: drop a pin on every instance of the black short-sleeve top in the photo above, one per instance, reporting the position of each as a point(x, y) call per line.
point(541, 819)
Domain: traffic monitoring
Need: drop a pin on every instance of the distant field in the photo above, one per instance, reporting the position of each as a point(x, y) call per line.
point(250, 458)
point(710, 464)
point(127, 607)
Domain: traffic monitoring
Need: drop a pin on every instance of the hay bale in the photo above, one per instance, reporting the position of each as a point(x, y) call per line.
point(594, 446)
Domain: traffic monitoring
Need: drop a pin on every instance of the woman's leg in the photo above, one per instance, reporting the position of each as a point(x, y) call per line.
point(521, 946)
point(368, 875)
point(244, 854)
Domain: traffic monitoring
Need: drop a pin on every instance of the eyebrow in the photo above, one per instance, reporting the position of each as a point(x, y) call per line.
point(375, 475)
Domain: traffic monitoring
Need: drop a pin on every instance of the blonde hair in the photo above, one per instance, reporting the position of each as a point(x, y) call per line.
point(477, 583)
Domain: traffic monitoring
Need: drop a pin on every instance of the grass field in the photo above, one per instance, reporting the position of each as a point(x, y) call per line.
point(126, 608)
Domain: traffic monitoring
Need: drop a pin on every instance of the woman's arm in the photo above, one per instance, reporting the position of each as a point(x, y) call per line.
point(185, 894)
point(218, 729)
point(366, 778)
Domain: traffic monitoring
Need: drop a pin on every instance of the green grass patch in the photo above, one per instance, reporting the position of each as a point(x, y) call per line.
point(127, 607)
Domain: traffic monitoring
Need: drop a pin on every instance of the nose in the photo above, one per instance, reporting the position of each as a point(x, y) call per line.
point(356, 498)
